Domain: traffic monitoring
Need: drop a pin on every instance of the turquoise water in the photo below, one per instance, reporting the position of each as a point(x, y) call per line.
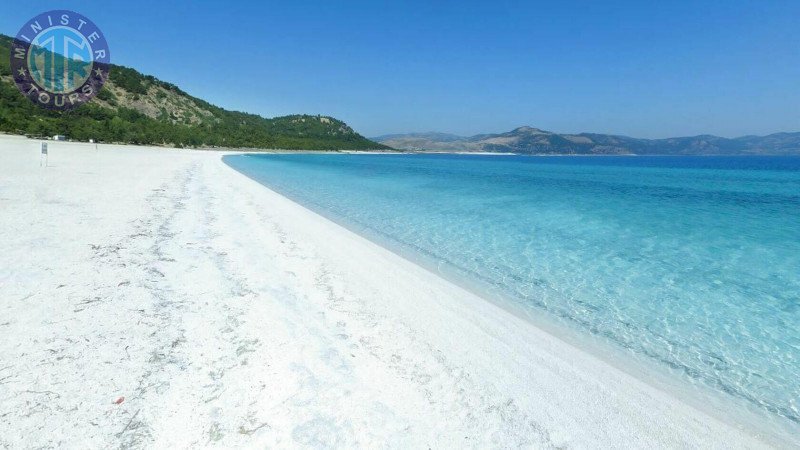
point(690, 263)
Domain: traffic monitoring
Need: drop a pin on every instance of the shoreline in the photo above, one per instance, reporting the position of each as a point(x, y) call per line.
point(779, 431)
point(255, 151)
point(212, 305)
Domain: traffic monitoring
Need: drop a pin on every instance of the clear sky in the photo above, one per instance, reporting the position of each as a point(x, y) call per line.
point(641, 68)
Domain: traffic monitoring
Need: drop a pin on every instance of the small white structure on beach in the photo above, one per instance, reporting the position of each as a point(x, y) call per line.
point(59, 137)
point(43, 159)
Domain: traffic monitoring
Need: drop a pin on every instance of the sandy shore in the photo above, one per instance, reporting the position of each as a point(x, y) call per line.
point(157, 298)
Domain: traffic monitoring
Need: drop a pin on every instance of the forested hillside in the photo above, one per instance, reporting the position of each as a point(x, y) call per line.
point(140, 109)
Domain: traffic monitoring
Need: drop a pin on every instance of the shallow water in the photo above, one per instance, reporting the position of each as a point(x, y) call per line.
point(692, 263)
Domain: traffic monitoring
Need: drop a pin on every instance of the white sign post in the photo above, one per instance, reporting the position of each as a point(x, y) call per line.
point(44, 155)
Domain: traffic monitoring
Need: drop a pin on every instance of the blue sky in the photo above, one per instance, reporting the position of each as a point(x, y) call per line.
point(640, 68)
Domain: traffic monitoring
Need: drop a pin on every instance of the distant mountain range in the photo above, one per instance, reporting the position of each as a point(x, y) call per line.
point(528, 140)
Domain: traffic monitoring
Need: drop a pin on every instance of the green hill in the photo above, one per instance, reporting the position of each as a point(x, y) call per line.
point(140, 109)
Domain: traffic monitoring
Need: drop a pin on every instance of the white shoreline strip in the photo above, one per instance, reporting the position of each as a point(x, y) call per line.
point(225, 314)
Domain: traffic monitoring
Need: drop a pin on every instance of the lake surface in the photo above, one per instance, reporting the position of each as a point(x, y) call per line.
point(689, 263)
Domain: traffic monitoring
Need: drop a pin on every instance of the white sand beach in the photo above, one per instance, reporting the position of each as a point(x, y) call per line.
point(156, 298)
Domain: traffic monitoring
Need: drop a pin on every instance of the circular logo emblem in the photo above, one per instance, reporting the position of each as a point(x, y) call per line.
point(60, 59)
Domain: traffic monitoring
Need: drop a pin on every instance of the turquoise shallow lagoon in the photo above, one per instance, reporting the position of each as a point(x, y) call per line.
point(689, 263)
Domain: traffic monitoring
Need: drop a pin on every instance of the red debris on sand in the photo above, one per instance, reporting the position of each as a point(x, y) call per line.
point(119, 400)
